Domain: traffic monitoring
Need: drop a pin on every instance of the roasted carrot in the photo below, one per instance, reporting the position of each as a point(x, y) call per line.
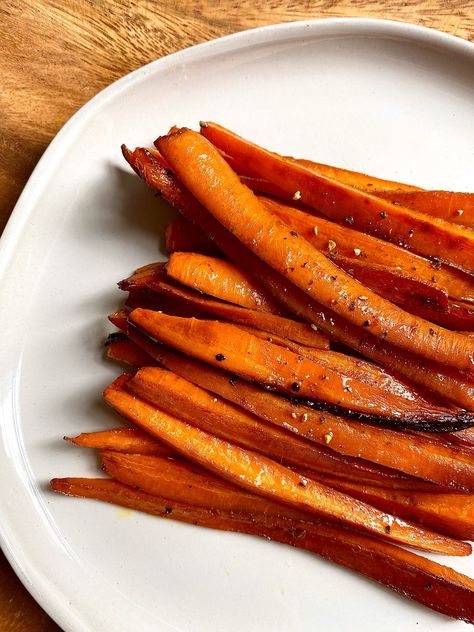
point(180, 235)
point(176, 395)
point(355, 179)
point(221, 279)
point(118, 348)
point(200, 166)
point(415, 455)
point(225, 345)
point(297, 331)
point(336, 240)
point(457, 315)
point(427, 582)
point(129, 440)
point(451, 514)
point(449, 383)
point(267, 478)
point(416, 231)
point(452, 207)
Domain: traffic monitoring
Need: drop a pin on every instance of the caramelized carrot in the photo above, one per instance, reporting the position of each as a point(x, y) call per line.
point(118, 348)
point(200, 166)
point(355, 179)
point(334, 239)
point(180, 235)
point(129, 440)
point(451, 514)
point(449, 383)
point(415, 455)
point(299, 332)
point(436, 586)
point(267, 478)
point(221, 279)
point(452, 207)
point(416, 231)
point(224, 345)
point(457, 315)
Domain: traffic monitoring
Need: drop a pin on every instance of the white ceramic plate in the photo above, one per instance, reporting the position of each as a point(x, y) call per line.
point(386, 98)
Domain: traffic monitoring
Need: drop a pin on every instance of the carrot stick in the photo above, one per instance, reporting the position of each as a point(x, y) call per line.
point(436, 586)
point(180, 235)
point(367, 213)
point(224, 345)
point(451, 514)
point(299, 332)
point(367, 249)
point(129, 440)
point(267, 478)
point(452, 207)
point(415, 455)
point(176, 395)
point(221, 279)
point(448, 383)
point(199, 165)
point(458, 315)
point(118, 348)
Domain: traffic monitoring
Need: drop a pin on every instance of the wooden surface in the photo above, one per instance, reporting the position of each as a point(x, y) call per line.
point(55, 55)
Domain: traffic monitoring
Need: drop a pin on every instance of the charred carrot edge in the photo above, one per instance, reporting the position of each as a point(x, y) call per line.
point(129, 440)
point(368, 213)
point(429, 583)
point(221, 279)
point(181, 236)
point(337, 240)
point(448, 205)
point(202, 169)
point(448, 383)
point(414, 455)
point(266, 477)
point(318, 383)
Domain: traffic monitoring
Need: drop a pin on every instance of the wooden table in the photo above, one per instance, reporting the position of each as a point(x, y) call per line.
point(56, 55)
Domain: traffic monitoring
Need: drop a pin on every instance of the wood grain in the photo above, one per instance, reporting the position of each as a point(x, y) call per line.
point(55, 55)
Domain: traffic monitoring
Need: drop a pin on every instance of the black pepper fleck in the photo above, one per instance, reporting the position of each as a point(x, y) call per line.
point(349, 219)
point(366, 323)
point(220, 357)
point(293, 233)
point(168, 510)
point(295, 386)
point(232, 381)
point(387, 528)
point(383, 214)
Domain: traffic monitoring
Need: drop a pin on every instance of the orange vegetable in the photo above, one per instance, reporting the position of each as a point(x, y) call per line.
point(202, 169)
point(452, 207)
point(180, 235)
point(448, 383)
point(417, 455)
point(267, 478)
point(427, 582)
point(221, 279)
point(385, 400)
point(130, 440)
point(416, 231)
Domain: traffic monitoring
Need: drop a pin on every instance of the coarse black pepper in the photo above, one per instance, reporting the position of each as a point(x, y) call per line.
point(220, 357)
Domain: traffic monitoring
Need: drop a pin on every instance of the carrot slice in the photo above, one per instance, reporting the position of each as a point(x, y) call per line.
point(201, 168)
point(436, 586)
point(266, 477)
point(416, 455)
point(320, 379)
point(130, 440)
point(452, 207)
point(364, 248)
point(180, 235)
point(451, 514)
point(118, 348)
point(272, 323)
point(457, 315)
point(448, 383)
point(221, 279)
point(176, 395)
point(414, 230)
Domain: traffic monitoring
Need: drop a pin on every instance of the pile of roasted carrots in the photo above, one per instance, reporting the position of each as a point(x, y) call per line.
point(302, 367)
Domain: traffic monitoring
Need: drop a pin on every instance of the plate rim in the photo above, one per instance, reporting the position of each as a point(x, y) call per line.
point(33, 577)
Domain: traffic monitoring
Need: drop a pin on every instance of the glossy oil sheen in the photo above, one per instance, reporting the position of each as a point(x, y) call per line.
point(384, 98)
